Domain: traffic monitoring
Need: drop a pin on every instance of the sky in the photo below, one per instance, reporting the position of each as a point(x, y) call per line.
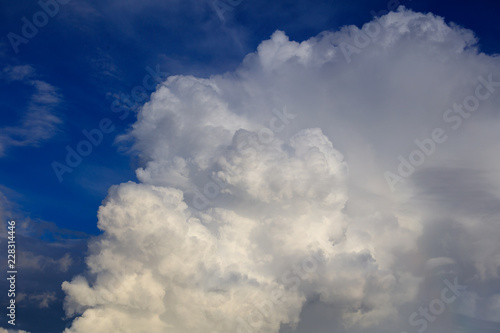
point(251, 166)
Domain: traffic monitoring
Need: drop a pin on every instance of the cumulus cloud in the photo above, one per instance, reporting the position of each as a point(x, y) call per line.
point(263, 192)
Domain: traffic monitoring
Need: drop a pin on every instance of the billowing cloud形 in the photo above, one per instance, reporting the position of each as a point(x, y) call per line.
point(337, 184)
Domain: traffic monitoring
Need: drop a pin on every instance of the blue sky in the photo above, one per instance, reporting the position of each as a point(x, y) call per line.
point(65, 79)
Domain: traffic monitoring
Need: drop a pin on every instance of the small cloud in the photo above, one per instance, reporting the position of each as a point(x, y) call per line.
point(39, 262)
point(43, 299)
point(65, 262)
point(18, 73)
point(39, 123)
point(3, 330)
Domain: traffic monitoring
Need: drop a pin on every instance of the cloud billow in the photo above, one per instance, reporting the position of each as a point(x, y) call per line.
point(298, 212)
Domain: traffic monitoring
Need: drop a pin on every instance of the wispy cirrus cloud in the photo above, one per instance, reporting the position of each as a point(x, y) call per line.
point(39, 121)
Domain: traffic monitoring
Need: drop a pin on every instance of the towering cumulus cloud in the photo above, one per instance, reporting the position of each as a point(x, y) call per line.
point(288, 194)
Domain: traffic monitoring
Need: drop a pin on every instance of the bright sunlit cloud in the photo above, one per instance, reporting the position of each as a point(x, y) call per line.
point(292, 183)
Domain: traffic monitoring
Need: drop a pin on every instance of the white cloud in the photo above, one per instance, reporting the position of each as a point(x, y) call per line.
point(39, 262)
point(3, 330)
point(39, 122)
point(235, 210)
point(43, 300)
point(18, 73)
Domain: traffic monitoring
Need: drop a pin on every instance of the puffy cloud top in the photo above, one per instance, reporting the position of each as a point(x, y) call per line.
point(268, 190)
